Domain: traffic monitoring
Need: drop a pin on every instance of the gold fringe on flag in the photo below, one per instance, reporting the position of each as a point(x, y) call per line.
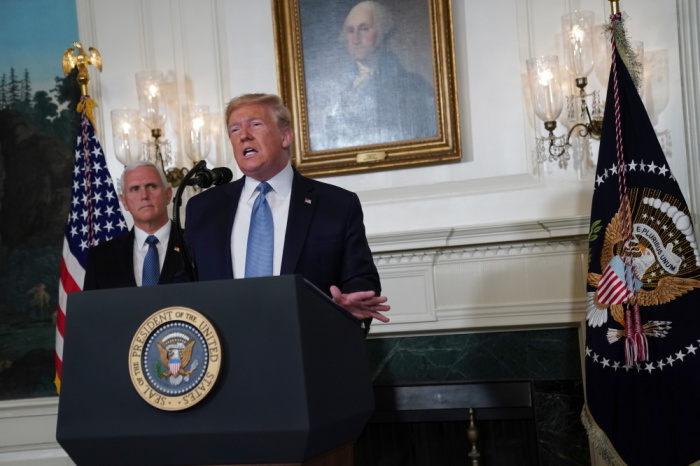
point(57, 384)
point(599, 440)
point(87, 104)
point(615, 30)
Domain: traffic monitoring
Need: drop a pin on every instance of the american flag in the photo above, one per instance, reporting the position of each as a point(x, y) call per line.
point(95, 216)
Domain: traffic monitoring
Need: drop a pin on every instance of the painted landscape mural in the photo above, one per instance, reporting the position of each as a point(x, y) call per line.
point(38, 126)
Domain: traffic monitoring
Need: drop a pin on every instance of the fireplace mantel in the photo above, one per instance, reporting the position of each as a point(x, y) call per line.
point(486, 278)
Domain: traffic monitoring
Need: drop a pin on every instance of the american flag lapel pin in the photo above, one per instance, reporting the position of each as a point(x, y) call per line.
point(307, 201)
point(177, 249)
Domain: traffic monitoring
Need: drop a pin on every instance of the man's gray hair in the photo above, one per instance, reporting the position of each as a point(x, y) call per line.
point(142, 163)
point(382, 17)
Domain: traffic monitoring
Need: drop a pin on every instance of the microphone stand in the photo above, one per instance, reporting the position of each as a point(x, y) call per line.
point(177, 202)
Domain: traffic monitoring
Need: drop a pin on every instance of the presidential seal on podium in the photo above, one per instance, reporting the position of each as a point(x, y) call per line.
point(175, 358)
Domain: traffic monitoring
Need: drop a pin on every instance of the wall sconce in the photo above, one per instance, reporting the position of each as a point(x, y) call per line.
point(545, 88)
point(138, 134)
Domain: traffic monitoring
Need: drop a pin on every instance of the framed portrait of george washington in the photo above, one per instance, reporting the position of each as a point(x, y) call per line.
point(371, 85)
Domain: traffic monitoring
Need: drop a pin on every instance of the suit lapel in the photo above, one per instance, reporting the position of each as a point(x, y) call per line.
point(172, 257)
point(302, 204)
point(125, 258)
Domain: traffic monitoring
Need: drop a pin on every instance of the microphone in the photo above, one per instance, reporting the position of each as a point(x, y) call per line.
point(204, 178)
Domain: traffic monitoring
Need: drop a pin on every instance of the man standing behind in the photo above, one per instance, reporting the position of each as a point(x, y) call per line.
point(148, 254)
point(274, 221)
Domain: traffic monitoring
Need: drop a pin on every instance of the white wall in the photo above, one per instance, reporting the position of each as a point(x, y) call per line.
point(493, 242)
point(211, 50)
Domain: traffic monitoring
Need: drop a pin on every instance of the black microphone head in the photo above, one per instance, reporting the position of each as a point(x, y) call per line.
point(222, 175)
point(200, 176)
point(203, 179)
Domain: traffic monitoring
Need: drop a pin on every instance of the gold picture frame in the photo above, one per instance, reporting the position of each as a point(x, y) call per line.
point(401, 123)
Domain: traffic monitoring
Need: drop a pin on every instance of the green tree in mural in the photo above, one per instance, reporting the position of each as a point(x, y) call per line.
point(43, 111)
point(13, 89)
point(26, 88)
point(67, 94)
point(23, 101)
point(25, 94)
point(51, 111)
point(4, 102)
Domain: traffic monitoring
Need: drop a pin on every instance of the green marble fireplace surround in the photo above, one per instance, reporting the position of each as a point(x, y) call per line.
point(498, 302)
point(550, 358)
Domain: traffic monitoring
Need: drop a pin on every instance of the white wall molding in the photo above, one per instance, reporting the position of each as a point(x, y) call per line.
point(28, 433)
point(689, 44)
point(478, 234)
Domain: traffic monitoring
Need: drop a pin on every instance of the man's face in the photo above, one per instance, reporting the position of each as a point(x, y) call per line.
point(261, 148)
point(146, 198)
point(361, 34)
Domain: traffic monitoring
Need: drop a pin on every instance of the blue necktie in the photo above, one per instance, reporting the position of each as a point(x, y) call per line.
point(151, 264)
point(261, 236)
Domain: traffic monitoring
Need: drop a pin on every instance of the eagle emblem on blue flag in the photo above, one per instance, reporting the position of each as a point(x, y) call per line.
point(663, 245)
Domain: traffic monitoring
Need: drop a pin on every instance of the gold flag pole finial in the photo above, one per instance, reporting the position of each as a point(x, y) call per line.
point(614, 6)
point(82, 60)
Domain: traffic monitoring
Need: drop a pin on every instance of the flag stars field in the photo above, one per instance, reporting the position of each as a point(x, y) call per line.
point(632, 167)
point(649, 366)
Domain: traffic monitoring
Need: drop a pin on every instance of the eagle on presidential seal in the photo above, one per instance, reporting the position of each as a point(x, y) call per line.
point(662, 239)
point(175, 354)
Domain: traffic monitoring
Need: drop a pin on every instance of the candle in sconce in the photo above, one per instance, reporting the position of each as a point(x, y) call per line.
point(197, 125)
point(152, 101)
point(545, 82)
point(577, 37)
point(126, 128)
point(199, 133)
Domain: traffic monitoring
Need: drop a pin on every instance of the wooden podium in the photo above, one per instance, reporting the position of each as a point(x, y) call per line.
point(293, 388)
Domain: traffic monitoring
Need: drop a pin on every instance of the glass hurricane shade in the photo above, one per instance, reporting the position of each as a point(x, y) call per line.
point(198, 143)
point(545, 87)
point(149, 88)
point(577, 35)
point(125, 134)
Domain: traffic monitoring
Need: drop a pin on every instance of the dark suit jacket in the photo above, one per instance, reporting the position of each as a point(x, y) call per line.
point(325, 240)
point(111, 264)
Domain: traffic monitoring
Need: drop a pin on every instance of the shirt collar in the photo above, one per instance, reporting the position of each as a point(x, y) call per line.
point(281, 184)
point(163, 235)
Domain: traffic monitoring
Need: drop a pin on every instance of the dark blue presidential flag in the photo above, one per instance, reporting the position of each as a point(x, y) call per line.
point(642, 362)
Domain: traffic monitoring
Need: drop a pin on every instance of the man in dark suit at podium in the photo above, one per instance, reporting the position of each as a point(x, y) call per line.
point(148, 254)
point(296, 226)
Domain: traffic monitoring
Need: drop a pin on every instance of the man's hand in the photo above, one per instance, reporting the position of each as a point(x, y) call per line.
point(362, 304)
